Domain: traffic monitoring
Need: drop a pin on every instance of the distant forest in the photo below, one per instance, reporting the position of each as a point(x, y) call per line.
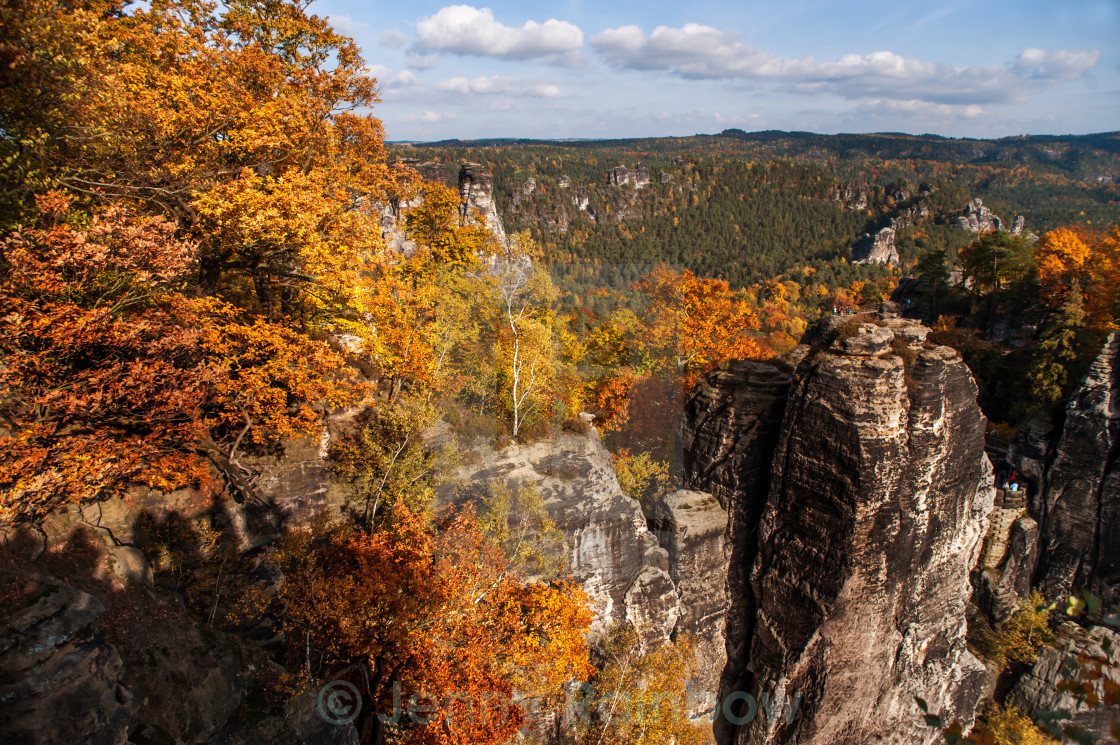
point(752, 207)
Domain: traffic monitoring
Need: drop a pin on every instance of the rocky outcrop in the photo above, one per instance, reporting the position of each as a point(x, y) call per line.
point(476, 192)
point(1008, 557)
point(608, 544)
point(692, 527)
point(979, 219)
point(874, 493)
point(878, 503)
point(851, 196)
point(665, 583)
point(621, 175)
point(60, 682)
point(876, 249)
point(524, 192)
point(729, 431)
point(1081, 503)
point(1041, 690)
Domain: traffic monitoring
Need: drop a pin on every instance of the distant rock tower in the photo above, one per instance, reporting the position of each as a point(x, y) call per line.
point(476, 190)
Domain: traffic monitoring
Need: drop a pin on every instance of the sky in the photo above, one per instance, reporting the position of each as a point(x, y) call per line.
point(577, 69)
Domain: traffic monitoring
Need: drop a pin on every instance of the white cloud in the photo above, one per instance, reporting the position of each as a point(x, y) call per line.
point(392, 38)
point(422, 61)
point(431, 116)
point(390, 80)
point(697, 51)
point(1065, 64)
point(500, 85)
point(466, 30)
point(692, 51)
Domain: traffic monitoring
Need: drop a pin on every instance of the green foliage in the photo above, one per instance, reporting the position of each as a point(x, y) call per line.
point(1063, 347)
point(516, 521)
point(997, 259)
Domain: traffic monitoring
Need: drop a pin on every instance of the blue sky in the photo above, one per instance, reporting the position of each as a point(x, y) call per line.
point(623, 69)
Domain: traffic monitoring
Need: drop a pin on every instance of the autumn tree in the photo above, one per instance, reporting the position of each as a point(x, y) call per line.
point(1061, 257)
point(693, 323)
point(434, 609)
point(244, 122)
point(639, 696)
point(524, 295)
point(1064, 346)
point(102, 382)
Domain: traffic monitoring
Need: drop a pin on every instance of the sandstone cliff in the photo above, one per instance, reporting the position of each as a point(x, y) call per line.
point(873, 499)
point(1081, 501)
point(876, 249)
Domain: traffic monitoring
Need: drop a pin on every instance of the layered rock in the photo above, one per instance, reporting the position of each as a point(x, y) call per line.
point(874, 493)
point(876, 249)
point(476, 192)
point(878, 503)
point(621, 175)
point(692, 526)
point(1041, 690)
point(60, 682)
point(1081, 502)
point(729, 431)
point(979, 219)
point(608, 544)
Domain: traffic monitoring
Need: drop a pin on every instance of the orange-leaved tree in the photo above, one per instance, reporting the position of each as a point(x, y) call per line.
point(695, 323)
point(429, 615)
point(102, 382)
point(1061, 258)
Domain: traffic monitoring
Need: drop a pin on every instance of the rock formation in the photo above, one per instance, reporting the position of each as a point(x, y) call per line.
point(851, 196)
point(60, 682)
point(876, 249)
point(691, 526)
point(608, 542)
point(1038, 690)
point(664, 588)
point(978, 219)
point(1008, 557)
point(1081, 502)
point(639, 177)
point(873, 494)
point(476, 190)
point(729, 431)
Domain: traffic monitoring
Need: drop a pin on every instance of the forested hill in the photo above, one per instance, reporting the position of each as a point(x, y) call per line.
point(1088, 157)
point(751, 207)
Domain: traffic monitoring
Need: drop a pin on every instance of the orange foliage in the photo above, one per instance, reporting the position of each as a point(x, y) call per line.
point(436, 610)
point(1061, 257)
point(102, 383)
point(694, 324)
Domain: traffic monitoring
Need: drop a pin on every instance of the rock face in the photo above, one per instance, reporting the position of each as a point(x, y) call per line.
point(664, 588)
point(609, 545)
point(691, 526)
point(979, 219)
point(872, 513)
point(1081, 502)
point(639, 177)
point(876, 249)
point(476, 190)
point(59, 681)
point(1008, 557)
point(729, 431)
point(1038, 689)
point(851, 196)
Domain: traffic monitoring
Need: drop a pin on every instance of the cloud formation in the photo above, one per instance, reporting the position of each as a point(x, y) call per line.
point(704, 52)
point(501, 85)
point(466, 30)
